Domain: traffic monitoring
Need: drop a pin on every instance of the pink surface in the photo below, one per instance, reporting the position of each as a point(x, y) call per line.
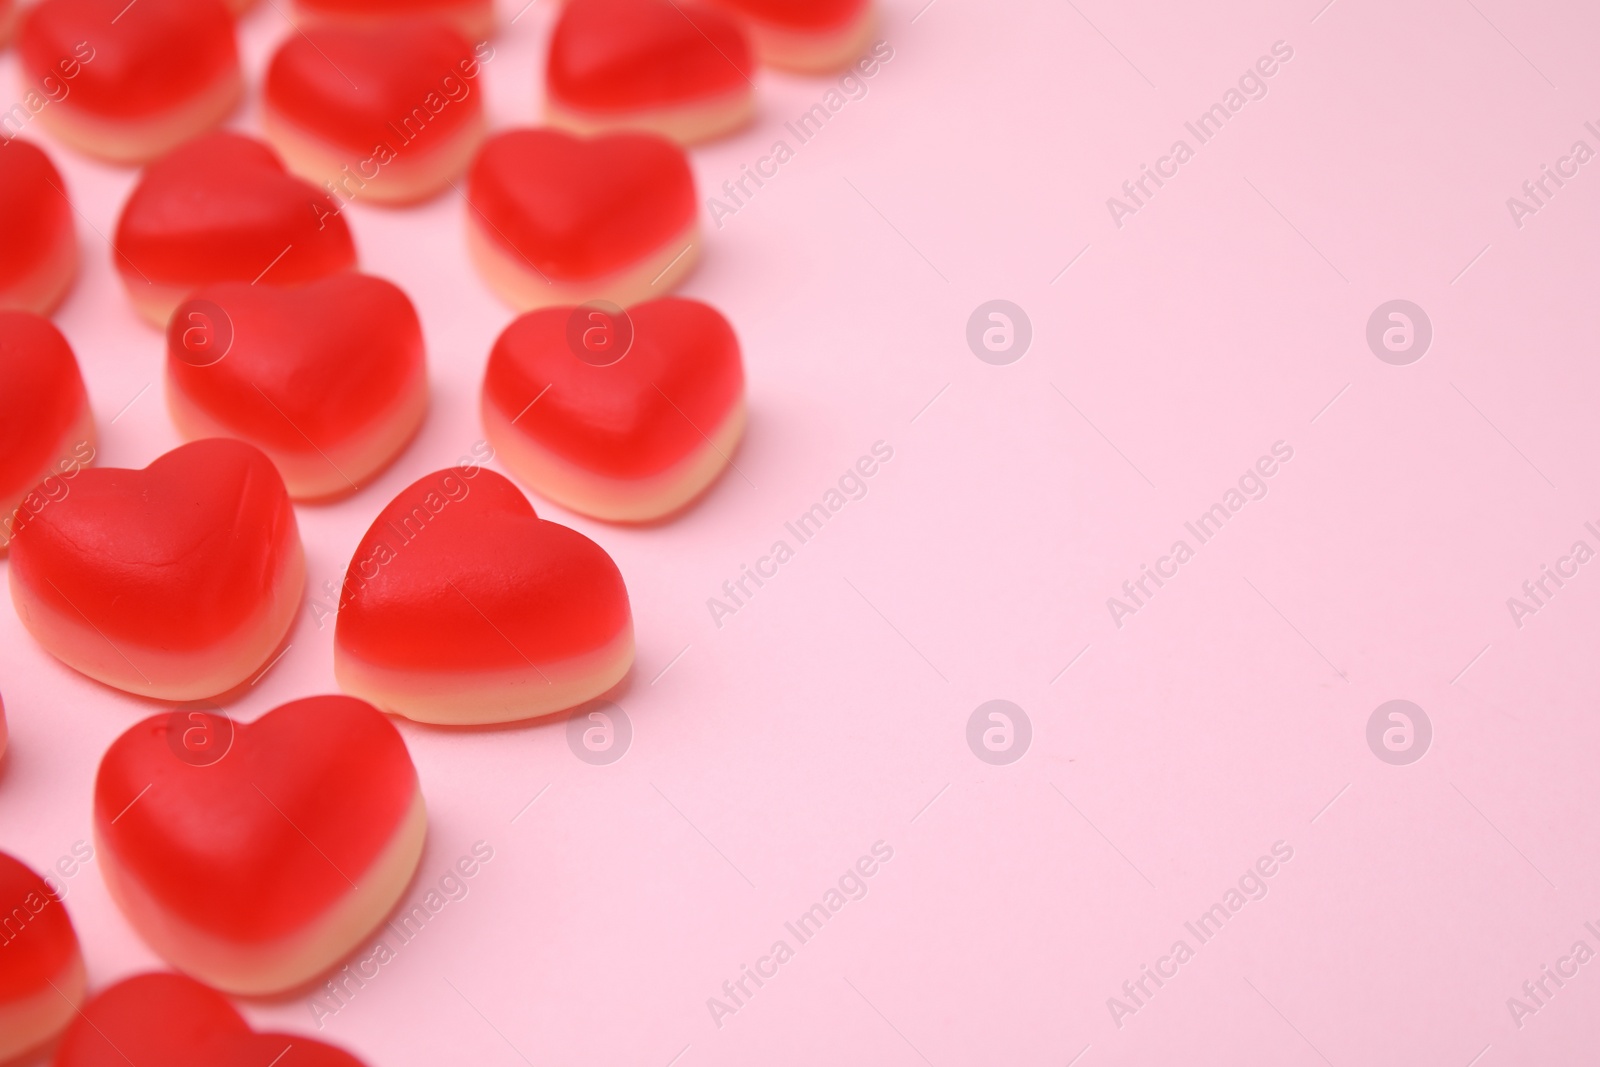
point(830, 710)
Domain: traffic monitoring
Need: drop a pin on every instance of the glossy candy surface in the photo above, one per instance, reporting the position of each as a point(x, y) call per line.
point(143, 77)
point(327, 379)
point(462, 606)
point(39, 255)
point(177, 581)
point(42, 978)
point(393, 111)
point(259, 853)
point(168, 1020)
point(46, 427)
point(556, 218)
point(630, 440)
point(223, 208)
point(677, 68)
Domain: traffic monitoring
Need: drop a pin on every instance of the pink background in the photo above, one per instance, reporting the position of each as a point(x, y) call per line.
point(830, 712)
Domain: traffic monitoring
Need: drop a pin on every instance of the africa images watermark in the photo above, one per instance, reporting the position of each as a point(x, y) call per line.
point(1538, 192)
point(1251, 886)
point(406, 925)
point(406, 129)
point(1536, 992)
point(1537, 592)
point(452, 487)
point(52, 89)
point(738, 192)
point(1252, 85)
point(53, 488)
point(851, 885)
point(1252, 485)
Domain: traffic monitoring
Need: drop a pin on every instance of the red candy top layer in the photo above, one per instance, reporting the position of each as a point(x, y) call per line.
point(126, 60)
point(169, 1020)
point(41, 397)
point(38, 213)
point(224, 835)
point(164, 1019)
point(630, 419)
point(387, 84)
point(578, 208)
point(457, 595)
point(306, 367)
point(170, 557)
point(223, 208)
point(36, 938)
point(799, 15)
point(623, 55)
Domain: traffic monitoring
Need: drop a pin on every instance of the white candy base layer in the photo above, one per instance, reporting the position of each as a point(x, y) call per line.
point(474, 18)
point(524, 288)
point(154, 301)
point(813, 53)
point(412, 175)
point(688, 124)
point(613, 499)
point(265, 968)
point(463, 698)
point(161, 674)
point(327, 472)
point(139, 140)
point(27, 1024)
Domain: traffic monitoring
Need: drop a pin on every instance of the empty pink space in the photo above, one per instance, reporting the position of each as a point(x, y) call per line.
point(1149, 617)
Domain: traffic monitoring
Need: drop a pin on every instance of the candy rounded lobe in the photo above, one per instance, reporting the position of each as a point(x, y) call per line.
point(328, 379)
point(46, 427)
point(42, 981)
point(170, 1020)
point(391, 111)
point(39, 256)
point(679, 69)
point(494, 615)
point(223, 208)
point(558, 219)
point(144, 77)
point(633, 440)
point(177, 581)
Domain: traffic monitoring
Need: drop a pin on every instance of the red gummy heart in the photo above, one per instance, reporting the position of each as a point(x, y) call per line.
point(463, 606)
point(41, 968)
point(168, 1020)
point(144, 77)
point(474, 18)
point(630, 440)
point(39, 256)
point(221, 209)
point(664, 65)
point(254, 856)
point(327, 379)
point(562, 219)
point(176, 581)
point(389, 112)
point(46, 427)
point(806, 35)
